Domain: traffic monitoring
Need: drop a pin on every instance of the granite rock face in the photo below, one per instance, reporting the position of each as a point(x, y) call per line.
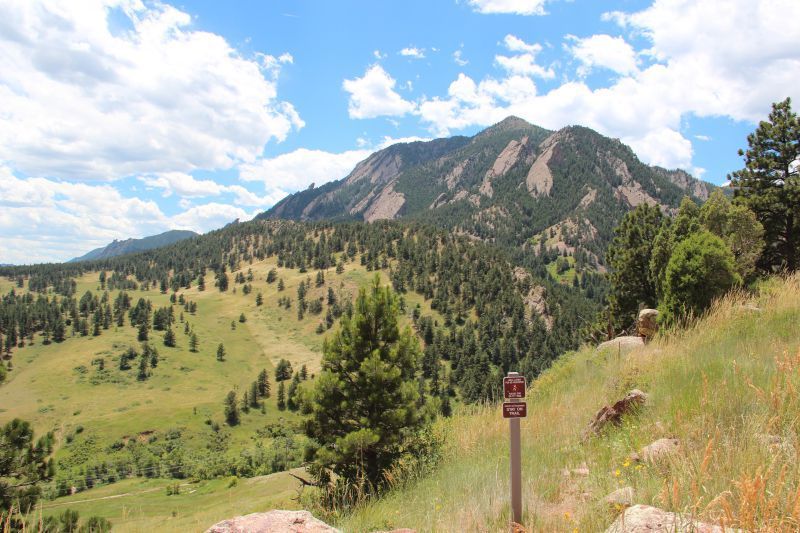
point(273, 522)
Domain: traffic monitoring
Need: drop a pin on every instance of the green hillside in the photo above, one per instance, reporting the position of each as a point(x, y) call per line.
point(725, 387)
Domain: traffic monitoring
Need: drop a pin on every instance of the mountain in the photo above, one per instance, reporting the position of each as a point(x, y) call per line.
point(513, 183)
point(129, 246)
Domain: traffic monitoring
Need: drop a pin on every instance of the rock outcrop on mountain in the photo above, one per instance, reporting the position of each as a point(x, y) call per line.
point(513, 183)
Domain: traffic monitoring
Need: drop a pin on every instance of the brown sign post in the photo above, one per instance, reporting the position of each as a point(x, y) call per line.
point(514, 389)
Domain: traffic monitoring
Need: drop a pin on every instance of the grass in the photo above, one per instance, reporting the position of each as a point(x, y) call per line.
point(726, 387)
point(52, 387)
point(138, 505)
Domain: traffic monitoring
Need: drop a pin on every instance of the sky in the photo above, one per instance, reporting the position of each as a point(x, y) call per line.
point(126, 118)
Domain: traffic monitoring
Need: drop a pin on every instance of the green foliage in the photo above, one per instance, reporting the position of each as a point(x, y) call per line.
point(220, 352)
point(672, 232)
point(231, 409)
point(283, 370)
point(629, 258)
point(366, 402)
point(770, 185)
point(701, 269)
point(738, 227)
point(24, 464)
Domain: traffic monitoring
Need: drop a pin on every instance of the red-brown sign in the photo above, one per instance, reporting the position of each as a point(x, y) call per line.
point(515, 410)
point(514, 387)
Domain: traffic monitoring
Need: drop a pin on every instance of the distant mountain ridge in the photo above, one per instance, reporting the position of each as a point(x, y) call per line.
point(129, 246)
point(513, 183)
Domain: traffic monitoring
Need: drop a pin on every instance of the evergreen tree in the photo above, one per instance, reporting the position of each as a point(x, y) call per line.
point(291, 400)
point(365, 399)
point(629, 257)
point(143, 330)
point(283, 370)
point(245, 402)
point(770, 185)
point(259, 300)
point(303, 373)
point(193, 343)
point(281, 396)
point(143, 368)
point(272, 275)
point(263, 384)
point(672, 233)
point(220, 352)
point(231, 409)
point(242, 318)
point(254, 394)
point(24, 464)
point(222, 279)
point(169, 338)
point(281, 285)
point(201, 282)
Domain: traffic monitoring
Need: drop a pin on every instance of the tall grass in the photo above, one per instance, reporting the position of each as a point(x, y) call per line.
point(726, 385)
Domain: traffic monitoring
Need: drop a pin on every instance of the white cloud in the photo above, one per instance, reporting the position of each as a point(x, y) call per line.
point(702, 62)
point(603, 51)
point(378, 55)
point(524, 63)
point(457, 57)
point(373, 95)
point(53, 220)
point(702, 137)
point(83, 100)
point(515, 44)
point(183, 185)
point(516, 7)
point(413, 52)
point(297, 170)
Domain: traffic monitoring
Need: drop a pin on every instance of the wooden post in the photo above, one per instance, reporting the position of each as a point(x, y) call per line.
point(516, 471)
point(514, 389)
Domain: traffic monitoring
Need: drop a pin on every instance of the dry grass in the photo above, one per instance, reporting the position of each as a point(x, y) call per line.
point(726, 385)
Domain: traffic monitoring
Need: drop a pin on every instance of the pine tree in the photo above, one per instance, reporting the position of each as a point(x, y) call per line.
point(24, 461)
point(245, 402)
point(281, 285)
point(259, 300)
point(263, 384)
point(143, 366)
point(291, 400)
point(220, 352)
point(303, 373)
point(365, 399)
point(770, 185)
point(193, 342)
point(143, 329)
point(272, 275)
point(169, 338)
point(201, 282)
point(231, 409)
point(242, 318)
point(281, 396)
point(254, 394)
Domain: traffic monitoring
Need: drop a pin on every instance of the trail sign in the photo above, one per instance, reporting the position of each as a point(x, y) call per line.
point(513, 387)
point(515, 410)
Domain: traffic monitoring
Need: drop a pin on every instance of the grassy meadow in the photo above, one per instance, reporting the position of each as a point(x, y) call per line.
point(727, 387)
point(57, 388)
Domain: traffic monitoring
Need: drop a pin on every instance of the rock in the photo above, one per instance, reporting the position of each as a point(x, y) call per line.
point(620, 498)
point(646, 519)
point(613, 414)
point(273, 522)
point(401, 530)
point(647, 324)
point(660, 449)
point(626, 343)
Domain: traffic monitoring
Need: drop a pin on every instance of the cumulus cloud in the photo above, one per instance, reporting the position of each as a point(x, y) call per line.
point(53, 220)
point(515, 7)
point(373, 95)
point(183, 185)
point(413, 52)
point(85, 100)
point(459, 59)
point(603, 51)
point(701, 62)
point(523, 63)
point(300, 168)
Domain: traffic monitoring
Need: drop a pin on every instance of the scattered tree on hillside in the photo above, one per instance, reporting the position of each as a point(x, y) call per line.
point(281, 398)
point(169, 338)
point(242, 318)
point(193, 343)
point(365, 402)
point(231, 409)
point(770, 185)
point(259, 300)
point(272, 275)
point(283, 370)
point(263, 384)
point(24, 464)
point(220, 352)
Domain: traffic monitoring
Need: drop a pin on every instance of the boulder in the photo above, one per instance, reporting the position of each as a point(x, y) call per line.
point(622, 497)
point(613, 414)
point(647, 324)
point(646, 519)
point(625, 343)
point(273, 522)
point(658, 450)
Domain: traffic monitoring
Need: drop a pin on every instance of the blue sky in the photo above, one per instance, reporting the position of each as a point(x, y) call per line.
point(122, 118)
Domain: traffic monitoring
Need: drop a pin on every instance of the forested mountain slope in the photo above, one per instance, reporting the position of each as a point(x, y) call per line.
point(129, 246)
point(514, 184)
